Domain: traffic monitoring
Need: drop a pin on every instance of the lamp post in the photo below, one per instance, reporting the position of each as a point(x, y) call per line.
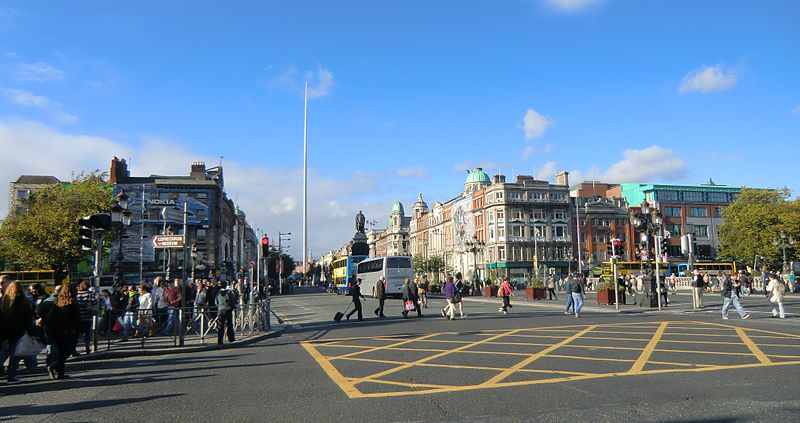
point(648, 222)
point(279, 261)
point(783, 242)
point(473, 246)
point(121, 216)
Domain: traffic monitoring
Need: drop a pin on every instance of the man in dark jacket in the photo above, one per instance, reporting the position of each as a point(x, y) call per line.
point(698, 286)
point(415, 295)
point(355, 292)
point(380, 294)
point(225, 306)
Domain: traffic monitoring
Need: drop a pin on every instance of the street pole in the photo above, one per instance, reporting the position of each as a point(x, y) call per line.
point(578, 228)
point(614, 272)
point(279, 265)
point(98, 269)
point(305, 180)
point(657, 240)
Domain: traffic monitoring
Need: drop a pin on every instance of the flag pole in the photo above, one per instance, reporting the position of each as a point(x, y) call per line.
point(305, 180)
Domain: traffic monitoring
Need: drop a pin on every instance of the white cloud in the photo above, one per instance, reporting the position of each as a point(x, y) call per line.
point(416, 171)
point(547, 172)
point(570, 5)
point(38, 72)
point(528, 151)
point(336, 209)
point(648, 164)
point(24, 98)
point(534, 124)
point(320, 82)
point(287, 205)
point(271, 197)
point(708, 79)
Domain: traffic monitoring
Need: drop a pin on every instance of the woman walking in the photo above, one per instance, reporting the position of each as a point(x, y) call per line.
point(449, 290)
point(62, 324)
point(776, 289)
point(408, 298)
point(506, 293)
point(551, 289)
point(17, 319)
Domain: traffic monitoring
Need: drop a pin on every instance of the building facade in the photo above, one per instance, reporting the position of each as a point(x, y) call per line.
point(603, 216)
point(218, 241)
point(21, 189)
point(685, 209)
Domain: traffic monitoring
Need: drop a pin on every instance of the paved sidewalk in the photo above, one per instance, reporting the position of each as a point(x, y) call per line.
point(166, 345)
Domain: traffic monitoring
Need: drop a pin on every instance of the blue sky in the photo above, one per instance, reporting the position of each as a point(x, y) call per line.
point(406, 95)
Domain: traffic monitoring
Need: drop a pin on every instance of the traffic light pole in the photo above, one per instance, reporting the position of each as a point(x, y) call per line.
point(97, 272)
point(658, 268)
point(614, 269)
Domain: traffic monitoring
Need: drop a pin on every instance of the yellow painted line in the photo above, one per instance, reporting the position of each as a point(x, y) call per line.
point(457, 366)
point(390, 346)
point(433, 357)
point(577, 357)
point(409, 385)
point(702, 352)
point(348, 388)
point(505, 373)
point(623, 332)
point(753, 347)
point(700, 342)
point(782, 334)
point(717, 335)
point(648, 350)
point(668, 363)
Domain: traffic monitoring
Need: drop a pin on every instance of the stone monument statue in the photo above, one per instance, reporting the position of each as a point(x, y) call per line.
point(360, 222)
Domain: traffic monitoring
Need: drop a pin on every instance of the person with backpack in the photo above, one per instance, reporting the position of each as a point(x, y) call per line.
point(505, 292)
point(776, 289)
point(730, 293)
point(225, 304)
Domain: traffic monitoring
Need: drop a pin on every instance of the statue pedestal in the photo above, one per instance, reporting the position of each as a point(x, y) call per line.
point(360, 246)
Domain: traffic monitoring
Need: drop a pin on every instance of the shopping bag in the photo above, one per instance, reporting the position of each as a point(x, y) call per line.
point(117, 326)
point(27, 346)
point(410, 306)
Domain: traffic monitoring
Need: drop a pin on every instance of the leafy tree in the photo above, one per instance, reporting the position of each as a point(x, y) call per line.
point(754, 220)
point(435, 264)
point(288, 265)
point(420, 264)
point(46, 236)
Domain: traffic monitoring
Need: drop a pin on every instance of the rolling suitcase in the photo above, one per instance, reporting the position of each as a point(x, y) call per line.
point(338, 316)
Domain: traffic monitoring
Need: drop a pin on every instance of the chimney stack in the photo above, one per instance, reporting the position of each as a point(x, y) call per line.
point(198, 170)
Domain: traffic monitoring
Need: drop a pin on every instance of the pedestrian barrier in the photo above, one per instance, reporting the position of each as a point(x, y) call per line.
point(176, 327)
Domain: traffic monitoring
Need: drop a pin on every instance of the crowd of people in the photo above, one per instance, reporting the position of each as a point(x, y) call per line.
point(64, 320)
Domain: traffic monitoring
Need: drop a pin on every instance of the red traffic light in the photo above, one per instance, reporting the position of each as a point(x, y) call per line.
point(265, 241)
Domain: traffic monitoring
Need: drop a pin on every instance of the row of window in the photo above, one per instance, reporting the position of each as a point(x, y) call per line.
point(693, 212)
point(518, 253)
point(522, 231)
point(693, 196)
point(530, 195)
point(517, 214)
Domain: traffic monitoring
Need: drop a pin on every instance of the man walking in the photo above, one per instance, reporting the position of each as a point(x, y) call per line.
point(568, 290)
point(698, 286)
point(225, 306)
point(355, 292)
point(415, 294)
point(730, 287)
point(380, 294)
point(173, 298)
point(576, 293)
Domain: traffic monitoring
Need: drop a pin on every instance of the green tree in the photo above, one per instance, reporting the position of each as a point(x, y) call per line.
point(420, 264)
point(435, 264)
point(754, 220)
point(46, 236)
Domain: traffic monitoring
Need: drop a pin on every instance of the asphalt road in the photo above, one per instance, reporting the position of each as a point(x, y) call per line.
point(535, 364)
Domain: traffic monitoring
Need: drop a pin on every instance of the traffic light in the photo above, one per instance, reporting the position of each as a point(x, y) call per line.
point(664, 245)
point(610, 248)
point(85, 233)
point(264, 246)
point(618, 247)
point(100, 221)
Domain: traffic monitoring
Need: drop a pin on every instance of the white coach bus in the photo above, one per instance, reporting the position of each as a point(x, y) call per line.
point(395, 269)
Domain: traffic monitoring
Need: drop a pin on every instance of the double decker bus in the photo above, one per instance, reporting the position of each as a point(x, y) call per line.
point(394, 268)
point(344, 272)
point(32, 277)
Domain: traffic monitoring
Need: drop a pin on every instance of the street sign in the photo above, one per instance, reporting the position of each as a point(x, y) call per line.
point(168, 241)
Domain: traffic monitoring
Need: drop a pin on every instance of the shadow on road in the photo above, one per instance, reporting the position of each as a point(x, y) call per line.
point(31, 410)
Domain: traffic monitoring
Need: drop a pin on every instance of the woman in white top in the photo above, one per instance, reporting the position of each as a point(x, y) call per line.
point(776, 289)
point(145, 311)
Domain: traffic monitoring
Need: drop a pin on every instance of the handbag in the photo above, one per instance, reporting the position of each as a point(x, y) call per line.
point(27, 346)
point(117, 326)
point(409, 306)
point(456, 297)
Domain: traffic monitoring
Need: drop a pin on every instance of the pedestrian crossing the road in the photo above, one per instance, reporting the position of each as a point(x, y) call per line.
point(381, 366)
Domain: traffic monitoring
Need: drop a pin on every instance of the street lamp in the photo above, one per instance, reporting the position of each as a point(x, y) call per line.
point(783, 243)
point(121, 216)
point(649, 223)
point(473, 246)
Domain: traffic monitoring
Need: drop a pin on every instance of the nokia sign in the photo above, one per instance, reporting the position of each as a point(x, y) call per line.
point(158, 202)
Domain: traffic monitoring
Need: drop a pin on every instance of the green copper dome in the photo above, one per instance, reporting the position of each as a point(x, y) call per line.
point(240, 213)
point(478, 176)
point(398, 208)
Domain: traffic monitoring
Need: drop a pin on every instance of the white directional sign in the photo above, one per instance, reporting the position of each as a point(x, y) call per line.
point(168, 241)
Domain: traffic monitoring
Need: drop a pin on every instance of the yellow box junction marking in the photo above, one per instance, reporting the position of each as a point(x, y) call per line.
point(689, 357)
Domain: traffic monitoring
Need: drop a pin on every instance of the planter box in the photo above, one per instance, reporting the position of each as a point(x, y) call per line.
point(606, 297)
point(535, 293)
point(490, 291)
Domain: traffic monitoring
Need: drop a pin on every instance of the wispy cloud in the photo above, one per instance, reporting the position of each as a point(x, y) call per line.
point(320, 81)
point(420, 172)
point(645, 165)
point(528, 151)
point(37, 72)
point(708, 79)
point(534, 124)
point(25, 98)
point(30, 100)
point(570, 5)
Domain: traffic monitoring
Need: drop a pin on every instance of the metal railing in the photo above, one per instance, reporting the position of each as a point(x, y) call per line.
point(176, 327)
